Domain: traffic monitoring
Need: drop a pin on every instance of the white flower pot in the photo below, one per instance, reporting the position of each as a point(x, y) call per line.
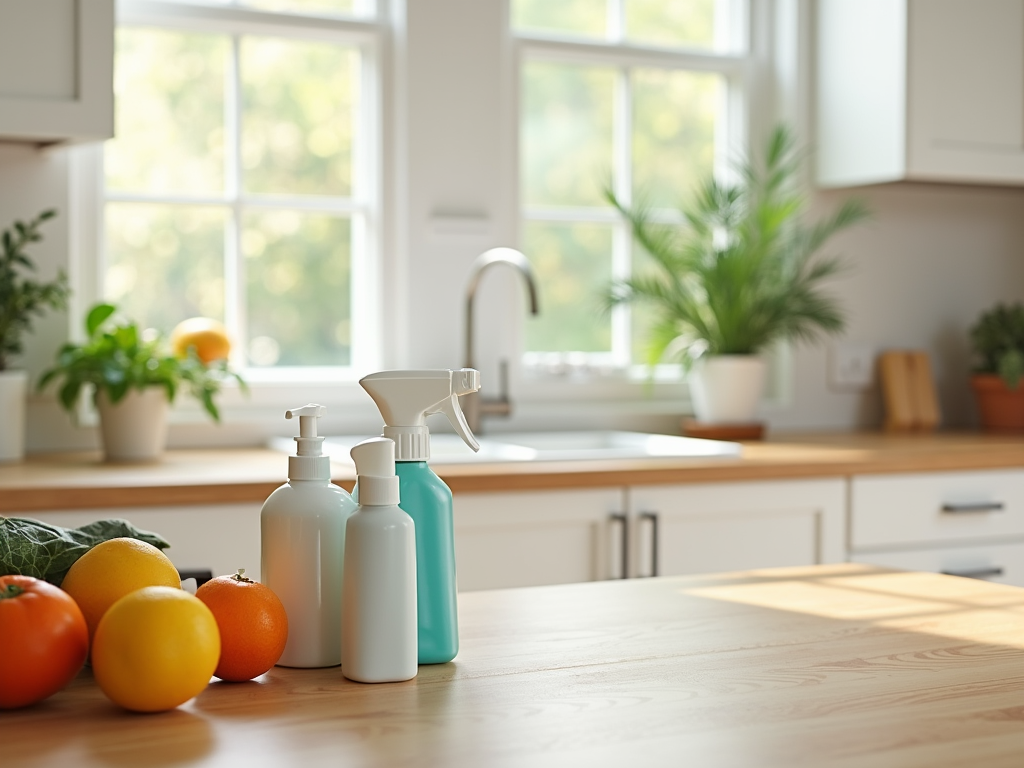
point(134, 428)
point(726, 389)
point(13, 385)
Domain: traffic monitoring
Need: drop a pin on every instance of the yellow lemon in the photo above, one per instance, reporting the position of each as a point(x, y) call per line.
point(209, 338)
point(155, 649)
point(113, 569)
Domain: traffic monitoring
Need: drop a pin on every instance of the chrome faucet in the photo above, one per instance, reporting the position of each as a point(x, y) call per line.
point(474, 405)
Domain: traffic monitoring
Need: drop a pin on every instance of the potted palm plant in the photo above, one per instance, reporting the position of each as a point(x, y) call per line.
point(998, 341)
point(21, 298)
point(134, 376)
point(740, 274)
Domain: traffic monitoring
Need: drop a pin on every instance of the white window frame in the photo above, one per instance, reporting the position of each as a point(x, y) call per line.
point(269, 387)
point(732, 63)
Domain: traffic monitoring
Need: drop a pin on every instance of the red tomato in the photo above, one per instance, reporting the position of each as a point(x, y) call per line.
point(45, 640)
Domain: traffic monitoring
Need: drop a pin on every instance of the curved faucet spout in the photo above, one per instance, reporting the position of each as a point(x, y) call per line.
point(488, 259)
point(474, 406)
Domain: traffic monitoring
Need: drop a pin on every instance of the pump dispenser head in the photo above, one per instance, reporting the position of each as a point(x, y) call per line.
point(406, 398)
point(308, 463)
point(375, 472)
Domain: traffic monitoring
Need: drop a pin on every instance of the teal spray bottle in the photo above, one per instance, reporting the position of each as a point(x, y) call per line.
point(405, 399)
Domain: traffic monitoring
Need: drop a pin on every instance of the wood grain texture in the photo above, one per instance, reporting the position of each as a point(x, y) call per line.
point(184, 477)
point(926, 401)
point(897, 391)
point(826, 666)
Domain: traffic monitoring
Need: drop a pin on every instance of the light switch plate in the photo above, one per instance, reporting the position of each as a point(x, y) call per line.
point(851, 366)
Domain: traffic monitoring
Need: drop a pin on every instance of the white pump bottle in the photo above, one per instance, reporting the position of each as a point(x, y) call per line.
point(379, 642)
point(303, 542)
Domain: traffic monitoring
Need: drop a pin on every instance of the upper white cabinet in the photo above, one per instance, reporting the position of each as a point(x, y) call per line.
point(927, 90)
point(56, 70)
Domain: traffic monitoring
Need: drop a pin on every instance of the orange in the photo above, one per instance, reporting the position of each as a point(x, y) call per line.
point(209, 337)
point(155, 649)
point(113, 569)
point(253, 625)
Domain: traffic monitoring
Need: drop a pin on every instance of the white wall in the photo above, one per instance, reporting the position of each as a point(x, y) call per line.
point(932, 258)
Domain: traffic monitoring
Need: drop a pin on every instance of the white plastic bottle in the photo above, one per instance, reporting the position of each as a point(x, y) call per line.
point(379, 601)
point(302, 528)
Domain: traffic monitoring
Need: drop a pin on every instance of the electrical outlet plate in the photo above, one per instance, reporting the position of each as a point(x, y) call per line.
point(851, 366)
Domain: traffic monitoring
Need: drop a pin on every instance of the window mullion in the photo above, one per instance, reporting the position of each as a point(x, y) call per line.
point(622, 183)
point(234, 264)
point(616, 23)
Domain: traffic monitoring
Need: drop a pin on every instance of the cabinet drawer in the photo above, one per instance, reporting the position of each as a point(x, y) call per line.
point(1003, 563)
point(935, 508)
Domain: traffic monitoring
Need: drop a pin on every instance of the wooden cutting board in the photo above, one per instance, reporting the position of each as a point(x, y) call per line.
point(908, 390)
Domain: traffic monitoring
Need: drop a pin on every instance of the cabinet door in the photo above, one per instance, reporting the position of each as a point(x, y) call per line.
point(56, 70)
point(701, 528)
point(531, 538)
point(965, 116)
point(221, 538)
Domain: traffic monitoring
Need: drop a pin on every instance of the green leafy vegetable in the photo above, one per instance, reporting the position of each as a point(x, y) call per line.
point(32, 548)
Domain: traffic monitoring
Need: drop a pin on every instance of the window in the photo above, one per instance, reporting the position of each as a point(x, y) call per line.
point(641, 97)
point(242, 184)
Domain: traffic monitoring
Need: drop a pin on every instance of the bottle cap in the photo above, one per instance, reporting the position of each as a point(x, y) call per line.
point(375, 472)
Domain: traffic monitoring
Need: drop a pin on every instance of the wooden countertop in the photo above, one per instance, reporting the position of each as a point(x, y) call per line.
point(826, 666)
point(183, 477)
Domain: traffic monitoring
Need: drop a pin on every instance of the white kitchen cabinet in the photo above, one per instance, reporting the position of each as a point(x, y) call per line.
point(929, 90)
point(709, 527)
point(56, 70)
point(221, 538)
point(970, 523)
point(531, 538)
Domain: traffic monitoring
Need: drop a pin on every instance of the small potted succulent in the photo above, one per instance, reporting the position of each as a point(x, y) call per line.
point(742, 273)
point(134, 377)
point(21, 298)
point(997, 339)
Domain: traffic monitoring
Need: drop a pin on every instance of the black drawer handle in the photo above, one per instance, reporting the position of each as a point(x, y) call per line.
point(977, 506)
point(977, 573)
point(653, 517)
point(620, 517)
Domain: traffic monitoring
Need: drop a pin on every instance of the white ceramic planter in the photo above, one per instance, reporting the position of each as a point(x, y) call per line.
point(726, 389)
point(135, 428)
point(13, 385)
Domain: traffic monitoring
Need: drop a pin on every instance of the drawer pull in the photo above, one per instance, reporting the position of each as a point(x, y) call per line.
point(977, 573)
point(653, 517)
point(620, 517)
point(977, 506)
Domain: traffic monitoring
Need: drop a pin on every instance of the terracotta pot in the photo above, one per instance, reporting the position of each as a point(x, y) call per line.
point(726, 389)
point(1001, 408)
point(13, 386)
point(135, 428)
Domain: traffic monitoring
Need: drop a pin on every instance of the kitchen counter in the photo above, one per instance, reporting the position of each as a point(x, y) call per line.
point(842, 665)
point(183, 477)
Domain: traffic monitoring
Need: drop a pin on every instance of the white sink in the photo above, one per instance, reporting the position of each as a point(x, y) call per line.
point(576, 446)
point(546, 446)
